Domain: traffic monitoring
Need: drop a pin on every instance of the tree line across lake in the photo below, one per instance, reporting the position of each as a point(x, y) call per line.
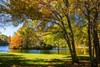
point(3, 40)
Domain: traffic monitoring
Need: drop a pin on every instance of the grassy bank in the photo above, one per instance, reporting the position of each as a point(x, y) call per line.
point(36, 60)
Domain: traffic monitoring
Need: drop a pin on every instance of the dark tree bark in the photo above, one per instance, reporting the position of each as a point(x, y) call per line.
point(72, 49)
point(66, 2)
point(58, 47)
point(72, 39)
point(27, 43)
point(89, 39)
point(95, 38)
point(67, 39)
point(69, 45)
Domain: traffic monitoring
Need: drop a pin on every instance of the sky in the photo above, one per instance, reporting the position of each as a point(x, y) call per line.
point(10, 30)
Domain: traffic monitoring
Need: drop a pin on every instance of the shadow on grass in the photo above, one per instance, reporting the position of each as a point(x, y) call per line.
point(84, 58)
point(6, 60)
point(12, 60)
point(80, 57)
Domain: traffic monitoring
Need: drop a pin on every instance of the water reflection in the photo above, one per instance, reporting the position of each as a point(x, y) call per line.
point(79, 51)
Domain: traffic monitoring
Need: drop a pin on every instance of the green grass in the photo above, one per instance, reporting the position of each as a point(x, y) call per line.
point(31, 59)
point(36, 60)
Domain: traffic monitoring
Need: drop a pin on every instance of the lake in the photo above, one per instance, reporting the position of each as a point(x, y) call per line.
point(80, 51)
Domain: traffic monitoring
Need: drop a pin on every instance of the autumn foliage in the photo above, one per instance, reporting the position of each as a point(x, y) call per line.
point(9, 39)
point(73, 20)
point(16, 41)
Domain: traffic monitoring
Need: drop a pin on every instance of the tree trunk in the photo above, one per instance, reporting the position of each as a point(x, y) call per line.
point(89, 40)
point(99, 49)
point(95, 41)
point(74, 59)
point(70, 49)
point(58, 48)
point(72, 39)
point(27, 43)
point(70, 45)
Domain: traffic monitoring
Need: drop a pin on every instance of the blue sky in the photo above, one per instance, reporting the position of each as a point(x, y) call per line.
point(10, 30)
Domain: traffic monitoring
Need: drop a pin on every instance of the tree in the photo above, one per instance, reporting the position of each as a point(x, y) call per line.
point(53, 12)
point(9, 39)
point(90, 9)
point(25, 37)
point(3, 40)
point(16, 42)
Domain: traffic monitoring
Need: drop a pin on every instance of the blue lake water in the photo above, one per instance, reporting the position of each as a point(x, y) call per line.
point(52, 51)
point(4, 49)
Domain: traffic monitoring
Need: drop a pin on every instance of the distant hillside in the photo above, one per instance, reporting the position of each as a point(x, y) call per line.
point(3, 40)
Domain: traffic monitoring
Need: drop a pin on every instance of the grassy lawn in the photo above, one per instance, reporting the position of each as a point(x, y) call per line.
point(37, 60)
